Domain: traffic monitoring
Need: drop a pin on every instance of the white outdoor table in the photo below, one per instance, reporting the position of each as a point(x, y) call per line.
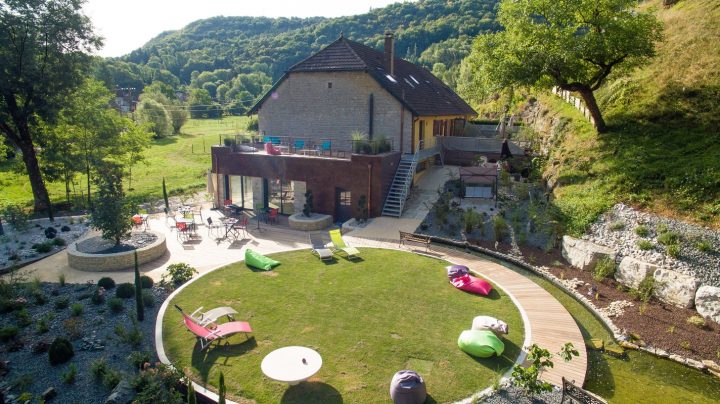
point(286, 364)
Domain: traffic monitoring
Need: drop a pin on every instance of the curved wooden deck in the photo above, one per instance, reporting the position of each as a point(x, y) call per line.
point(551, 326)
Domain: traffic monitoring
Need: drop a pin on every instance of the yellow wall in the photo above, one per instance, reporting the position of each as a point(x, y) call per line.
point(427, 121)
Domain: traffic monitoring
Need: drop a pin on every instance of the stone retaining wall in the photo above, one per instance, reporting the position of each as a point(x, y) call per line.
point(316, 222)
point(111, 262)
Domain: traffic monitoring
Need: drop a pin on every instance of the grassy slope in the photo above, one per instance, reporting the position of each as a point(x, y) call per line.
point(662, 151)
point(180, 159)
point(367, 319)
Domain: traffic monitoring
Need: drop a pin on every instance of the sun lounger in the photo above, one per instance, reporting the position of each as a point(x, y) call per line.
point(206, 335)
point(340, 245)
point(318, 247)
point(208, 317)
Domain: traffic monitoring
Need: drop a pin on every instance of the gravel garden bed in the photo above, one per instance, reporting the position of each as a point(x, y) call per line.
point(35, 314)
point(98, 245)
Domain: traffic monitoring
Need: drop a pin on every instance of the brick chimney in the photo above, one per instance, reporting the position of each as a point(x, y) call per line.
point(389, 53)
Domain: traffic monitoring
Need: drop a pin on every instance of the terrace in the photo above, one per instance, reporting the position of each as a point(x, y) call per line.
point(307, 146)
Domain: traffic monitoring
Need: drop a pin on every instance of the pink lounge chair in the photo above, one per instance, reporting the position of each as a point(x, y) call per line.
point(207, 335)
point(271, 149)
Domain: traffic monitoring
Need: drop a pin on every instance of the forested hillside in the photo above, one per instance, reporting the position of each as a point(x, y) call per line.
point(236, 58)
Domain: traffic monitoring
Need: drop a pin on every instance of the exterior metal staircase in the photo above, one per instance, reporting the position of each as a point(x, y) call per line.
point(398, 193)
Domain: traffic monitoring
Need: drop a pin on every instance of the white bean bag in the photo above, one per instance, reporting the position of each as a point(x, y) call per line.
point(483, 323)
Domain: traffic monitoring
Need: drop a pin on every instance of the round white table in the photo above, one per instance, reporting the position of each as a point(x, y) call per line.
point(291, 364)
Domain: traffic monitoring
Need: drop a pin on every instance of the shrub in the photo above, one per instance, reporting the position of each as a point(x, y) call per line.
point(704, 246)
point(673, 250)
point(62, 303)
point(125, 290)
point(137, 358)
point(76, 309)
point(107, 283)
point(617, 225)
point(644, 245)
point(23, 317)
point(43, 247)
point(60, 351)
point(65, 229)
point(40, 298)
point(697, 321)
point(662, 228)
point(61, 279)
point(644, 290)
point(500, 228)
point(73, 327)
point(133, 337)
point(181, 273)
point(42, 325)
point(158, 385)
point(69, 376)
point(98, 368)
point(685, 345)
point(9, 332)
point(111, 378)
point(146, 282)
point(604, 268)
point(59, 241)
point(668, 238)
point(148, 299)
point(50, 232)
point(16, 216)
point(98, 296)
point(471, 219)
point(115, 304)
point(642, 231)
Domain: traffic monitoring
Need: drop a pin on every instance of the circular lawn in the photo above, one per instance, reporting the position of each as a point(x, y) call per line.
point(389, 310)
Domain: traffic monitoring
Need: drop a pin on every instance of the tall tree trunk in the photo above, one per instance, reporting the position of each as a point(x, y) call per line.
point(589, 97)
point(40, 193)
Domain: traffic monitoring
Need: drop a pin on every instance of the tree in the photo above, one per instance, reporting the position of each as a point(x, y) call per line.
point(571, 44)
point(527, 377)
point(112, 213)
point(164, 94)
point(156, 116)
point(44, 55)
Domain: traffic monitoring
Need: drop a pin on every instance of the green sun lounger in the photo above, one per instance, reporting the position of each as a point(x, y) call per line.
point(482, 344)
point(340, 245)
point(257, 260)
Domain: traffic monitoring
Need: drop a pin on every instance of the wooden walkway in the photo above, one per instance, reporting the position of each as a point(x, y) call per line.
point(550, 324)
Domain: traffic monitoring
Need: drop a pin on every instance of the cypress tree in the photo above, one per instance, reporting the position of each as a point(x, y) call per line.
point(221, 392)
point(165, 197)
point(138, 292)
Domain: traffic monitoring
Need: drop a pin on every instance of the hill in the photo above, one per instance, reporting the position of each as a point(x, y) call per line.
point(429, 31)
point(661, 152)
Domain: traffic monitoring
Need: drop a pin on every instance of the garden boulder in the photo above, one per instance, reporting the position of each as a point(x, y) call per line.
point(632, 271)
point(707, 302)
point(123, 393)
point(584, 254)
point(675, 288)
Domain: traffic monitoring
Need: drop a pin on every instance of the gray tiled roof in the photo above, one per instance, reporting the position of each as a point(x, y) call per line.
point(414, 86)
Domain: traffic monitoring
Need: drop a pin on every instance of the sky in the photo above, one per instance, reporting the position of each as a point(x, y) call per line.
point(127, 25)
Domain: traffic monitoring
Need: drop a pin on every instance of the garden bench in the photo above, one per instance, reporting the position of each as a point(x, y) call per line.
point(416, 238)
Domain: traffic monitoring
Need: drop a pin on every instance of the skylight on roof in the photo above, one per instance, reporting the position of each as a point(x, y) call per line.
point(391, 78)
point(409, 83)
point(414, 79)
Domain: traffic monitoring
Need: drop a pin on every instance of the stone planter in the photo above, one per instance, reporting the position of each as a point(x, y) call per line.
point(116, 261)
point(316, 222)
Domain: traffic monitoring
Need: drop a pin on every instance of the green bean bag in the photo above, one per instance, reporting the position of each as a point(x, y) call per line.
point(257, 260)
point(482, 344)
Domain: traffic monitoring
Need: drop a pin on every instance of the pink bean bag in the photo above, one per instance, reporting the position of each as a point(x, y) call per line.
point(471, 284)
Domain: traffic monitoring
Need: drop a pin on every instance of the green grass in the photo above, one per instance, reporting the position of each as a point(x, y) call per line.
point(368, 319)
point(641, 377)
point(182, 159)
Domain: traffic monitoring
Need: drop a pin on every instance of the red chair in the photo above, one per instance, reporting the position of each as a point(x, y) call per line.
point(183, 231)
point(272, 217)
point(272, 150)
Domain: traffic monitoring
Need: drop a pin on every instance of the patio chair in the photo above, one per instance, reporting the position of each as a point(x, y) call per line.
point(318, 247)
point(137, 221)
point(211, 226)
point(298, 144)
point(183, 231)
point(230, 208)
point(326, 146)
point(222, 331)
point(238, 226)
point(273, 216)
point(340, 245)
point(204, 318)
point(272, 150)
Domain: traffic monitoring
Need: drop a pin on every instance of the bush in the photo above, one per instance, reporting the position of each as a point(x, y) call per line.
point(62, 303)
point(59, 241)
point(60, 351)
point(40, 298)
point(642, 231)
point(23, 317)
point(61, 280)
point(65, 229)
point(50, 232)
point(181, 273)
point(148, 299)
point(9, 332)
point(16, 216)
point(697, 321)
point(43, 326)
point(133, 337)
point(98, 368)
point(617, 226)
point(107, 283)
point(604, 268)
point(111, 378)
point(125, 290)
point(43, 248)
point(668, 238)
point(115, 304)
point(73, 327)
point(500, 228)
point(98, 296)
point(673, 250)
point(644, 290)
point(704, 246)
point(76, 309)
point(644, 245)
point(158, 385)
point(69, 376)
point(137, 358)
point(146, 282)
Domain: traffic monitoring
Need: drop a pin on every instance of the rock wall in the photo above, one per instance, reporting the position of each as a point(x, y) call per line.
point(584, 255)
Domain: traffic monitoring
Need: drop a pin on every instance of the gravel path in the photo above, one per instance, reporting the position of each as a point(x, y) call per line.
point(97, 335)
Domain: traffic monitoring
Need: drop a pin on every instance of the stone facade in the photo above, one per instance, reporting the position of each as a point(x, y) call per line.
point(632, 271)
point(331, 105)
point(112, 262)
point(675, 288)
point(583, 254)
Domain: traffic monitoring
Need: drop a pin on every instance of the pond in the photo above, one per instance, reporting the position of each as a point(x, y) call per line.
point(639, 378)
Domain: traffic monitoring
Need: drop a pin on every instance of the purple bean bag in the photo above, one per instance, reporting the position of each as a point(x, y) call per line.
point(454, 271)
point(407, 387)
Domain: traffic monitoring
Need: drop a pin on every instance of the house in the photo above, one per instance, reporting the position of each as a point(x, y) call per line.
point(312, 113)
